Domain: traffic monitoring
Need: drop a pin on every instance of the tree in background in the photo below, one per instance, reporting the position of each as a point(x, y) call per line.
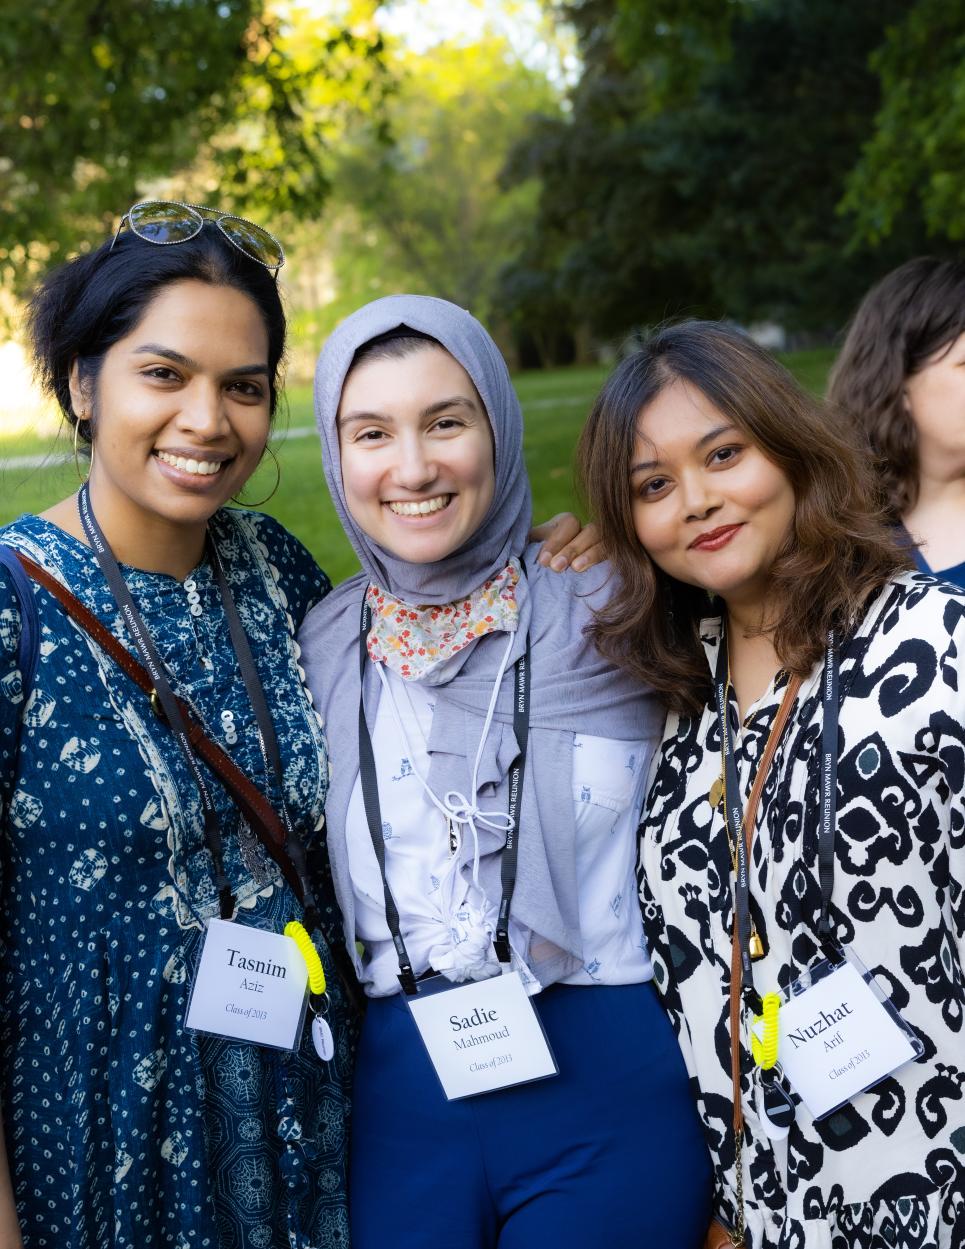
point(916, 155)
point(426, 212)
point(100, 98)
point(760, 159)
point(705, 157)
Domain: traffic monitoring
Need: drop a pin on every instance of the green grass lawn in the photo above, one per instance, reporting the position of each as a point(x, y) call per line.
point(555, 405)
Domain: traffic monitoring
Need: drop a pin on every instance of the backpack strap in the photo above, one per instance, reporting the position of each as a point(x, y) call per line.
point(28, 649)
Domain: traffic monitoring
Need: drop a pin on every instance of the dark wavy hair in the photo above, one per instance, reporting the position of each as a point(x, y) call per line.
point(85, 306)
point(841, 548)
point(914, 312)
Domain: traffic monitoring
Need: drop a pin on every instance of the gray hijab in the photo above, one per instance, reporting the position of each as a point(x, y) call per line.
point(504, 528)
point(572, 689)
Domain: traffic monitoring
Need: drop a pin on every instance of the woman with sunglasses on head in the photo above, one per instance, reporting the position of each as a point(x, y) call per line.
point(121, 841)
point(487, 773)
point(806, 815)
point(901, 378)
point(124, 1125)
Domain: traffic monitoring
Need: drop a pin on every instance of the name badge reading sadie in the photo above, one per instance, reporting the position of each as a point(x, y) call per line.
point(839, 1035)
point(481, 1036)
point(250, 985)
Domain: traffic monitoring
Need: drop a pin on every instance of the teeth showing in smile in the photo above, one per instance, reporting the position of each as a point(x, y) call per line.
point(201, 468)
point(420, 509)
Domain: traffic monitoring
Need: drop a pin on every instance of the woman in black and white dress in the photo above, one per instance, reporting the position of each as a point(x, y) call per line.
point(745, 520)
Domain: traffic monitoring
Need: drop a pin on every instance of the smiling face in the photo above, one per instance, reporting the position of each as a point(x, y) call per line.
point(180, 410)
point(417, 453)
point(708, 506)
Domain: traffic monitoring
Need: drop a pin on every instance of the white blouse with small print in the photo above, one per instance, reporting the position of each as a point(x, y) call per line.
point(447, 921)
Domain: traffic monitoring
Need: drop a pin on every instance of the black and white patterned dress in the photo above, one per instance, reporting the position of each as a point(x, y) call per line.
point(888, 1169)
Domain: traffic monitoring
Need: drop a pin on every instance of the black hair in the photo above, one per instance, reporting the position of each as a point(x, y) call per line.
point(85, 306)
point(393, 345)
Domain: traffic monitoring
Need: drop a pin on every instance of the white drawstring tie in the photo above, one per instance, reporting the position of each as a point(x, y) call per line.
point(471, 956)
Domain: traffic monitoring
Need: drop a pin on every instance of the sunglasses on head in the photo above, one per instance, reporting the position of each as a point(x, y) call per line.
point(168, 221)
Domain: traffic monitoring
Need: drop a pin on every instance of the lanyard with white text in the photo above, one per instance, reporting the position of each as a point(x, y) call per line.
point(169, 706)
point(734, 810)
point(373, 809)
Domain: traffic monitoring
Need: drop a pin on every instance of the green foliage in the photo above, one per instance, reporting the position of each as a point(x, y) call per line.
point(304, 81)
point(96, 96)
point(767, 147)
point(99, 99)
point(426, 212)
point(702, 163)
point(917, 151)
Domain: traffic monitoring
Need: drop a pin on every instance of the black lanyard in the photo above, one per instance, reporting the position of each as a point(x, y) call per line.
point(373, 809)
point(734, 807)
point(165, 696)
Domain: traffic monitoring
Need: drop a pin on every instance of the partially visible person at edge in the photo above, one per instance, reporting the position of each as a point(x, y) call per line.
point(122, 1127)
point(743, 529)
point(900, 377)
point(422, 439)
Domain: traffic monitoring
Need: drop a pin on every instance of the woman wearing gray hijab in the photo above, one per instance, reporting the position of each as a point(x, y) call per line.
point(517, 1082)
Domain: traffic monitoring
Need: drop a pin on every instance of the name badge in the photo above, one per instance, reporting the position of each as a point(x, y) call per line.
point(250, 985)
point(838, 1035)
point(481, 1036)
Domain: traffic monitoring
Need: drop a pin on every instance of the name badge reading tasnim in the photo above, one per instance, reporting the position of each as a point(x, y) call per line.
point(250, 986)
point(839, 1035)
point(481, 1036)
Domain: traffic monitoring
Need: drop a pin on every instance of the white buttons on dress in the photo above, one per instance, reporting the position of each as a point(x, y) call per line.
point(194, 598)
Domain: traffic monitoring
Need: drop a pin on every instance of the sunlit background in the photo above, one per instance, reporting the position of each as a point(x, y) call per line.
point(573, 171)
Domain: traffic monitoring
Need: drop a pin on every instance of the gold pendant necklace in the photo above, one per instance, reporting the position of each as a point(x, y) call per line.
point(716, 795)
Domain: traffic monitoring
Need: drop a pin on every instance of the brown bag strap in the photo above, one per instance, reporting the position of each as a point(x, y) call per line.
point(750, 819)
point(256, 809)
point(260, 815)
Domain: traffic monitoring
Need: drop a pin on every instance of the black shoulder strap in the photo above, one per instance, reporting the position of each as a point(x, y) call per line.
point(28, 650)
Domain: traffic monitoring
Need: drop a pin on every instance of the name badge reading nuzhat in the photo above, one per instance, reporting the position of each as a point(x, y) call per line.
point(250, 986)
point(839, 1034)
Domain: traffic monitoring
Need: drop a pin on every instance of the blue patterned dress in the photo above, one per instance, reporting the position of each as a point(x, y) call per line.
point(122, 1128)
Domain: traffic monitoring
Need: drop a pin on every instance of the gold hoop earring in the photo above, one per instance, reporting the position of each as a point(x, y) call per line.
point(272, 492)
point(77, 424)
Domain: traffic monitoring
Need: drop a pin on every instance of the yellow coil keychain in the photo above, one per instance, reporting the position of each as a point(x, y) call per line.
point(765, 1051)
point(316, 973)
point(322, 1037)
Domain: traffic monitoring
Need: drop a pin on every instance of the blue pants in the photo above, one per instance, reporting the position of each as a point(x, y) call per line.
point(609, 1152)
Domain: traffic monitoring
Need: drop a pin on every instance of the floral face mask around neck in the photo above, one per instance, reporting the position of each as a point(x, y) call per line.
point(417, 643)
